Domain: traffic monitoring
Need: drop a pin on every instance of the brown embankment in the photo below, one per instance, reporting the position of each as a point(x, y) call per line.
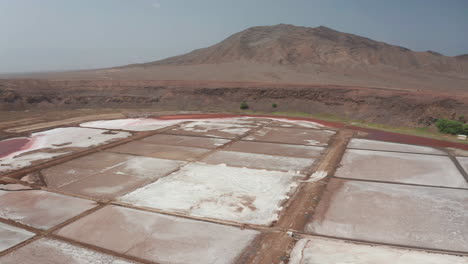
point(386, 106)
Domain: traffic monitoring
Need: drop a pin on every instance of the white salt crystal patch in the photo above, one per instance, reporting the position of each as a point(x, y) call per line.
point(400, 167)
point(302, 123)
point(14, 163)
point(133, 124)
point(13, 187)
point(146, 167)
point(401, 214)
point(324, 251)
point(259, 133)
point(56, 139)
point(145, 124)
point(296, 255)
point(113, 166)
point(38, 208)
point(259, 161)
point(204, 125)
point(235, 131)
point(104, 189)
point(312, 142)
point(360, 143)
point(317, 176)
point(71, 137)
point(217, 191)
point(160, 238)
point(47, 250)
point(230, 126)
point(11, 236)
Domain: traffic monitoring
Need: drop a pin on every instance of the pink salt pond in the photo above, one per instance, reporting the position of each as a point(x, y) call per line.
point(21, 152)
point(9, 146)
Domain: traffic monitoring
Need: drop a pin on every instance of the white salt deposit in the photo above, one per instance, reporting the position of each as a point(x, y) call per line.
point(146, 124)
point(133, 124)
point(52, 251)
point(159, 238)
point(13, 163)
point(259, 161)
point(400, 167)
point(38, 208)
point(58, 138)
point(205, 126)
point(149, 167)
point(312, 142)
point(330, 251)
point(218, 191)
point(360, 143)
point(317, 176)
point(302, 123)
point(393, 213)
point(11, 236)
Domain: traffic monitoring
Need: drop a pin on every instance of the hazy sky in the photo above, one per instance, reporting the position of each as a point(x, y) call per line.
point(41, 35)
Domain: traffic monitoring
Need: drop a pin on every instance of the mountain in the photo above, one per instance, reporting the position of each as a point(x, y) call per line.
point(292, 45)
point(304, 55)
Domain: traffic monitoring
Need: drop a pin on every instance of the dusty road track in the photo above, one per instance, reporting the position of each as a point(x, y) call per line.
point(20, 122)
point(273, 247)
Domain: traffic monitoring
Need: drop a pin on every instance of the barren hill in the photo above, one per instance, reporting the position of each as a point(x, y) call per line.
point(291, 45)
point(292, 54)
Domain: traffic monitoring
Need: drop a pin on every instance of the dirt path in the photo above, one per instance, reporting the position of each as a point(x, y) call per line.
point(272, 246)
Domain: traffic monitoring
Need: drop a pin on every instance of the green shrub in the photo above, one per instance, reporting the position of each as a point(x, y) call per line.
point(274, 105)
point(244, 106)
point(451, 127)
point(465, 129)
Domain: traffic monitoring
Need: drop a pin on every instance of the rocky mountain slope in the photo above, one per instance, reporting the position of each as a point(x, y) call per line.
point(291, 45)
point(299, 55)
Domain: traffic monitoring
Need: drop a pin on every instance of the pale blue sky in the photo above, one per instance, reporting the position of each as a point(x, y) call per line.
point(42, 35)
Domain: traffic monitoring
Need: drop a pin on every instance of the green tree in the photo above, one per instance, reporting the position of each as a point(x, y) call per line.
point(244, 106)
point(451, 126)
point(465, 129)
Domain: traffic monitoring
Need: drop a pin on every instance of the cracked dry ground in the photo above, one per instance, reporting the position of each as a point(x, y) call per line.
point(227, 190)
